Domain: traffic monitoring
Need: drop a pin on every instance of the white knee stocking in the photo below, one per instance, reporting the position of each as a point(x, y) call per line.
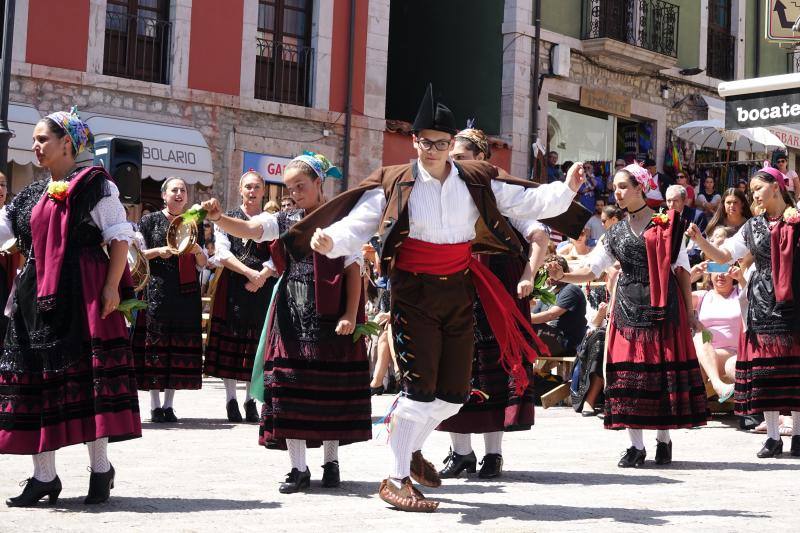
point(44, 466)
point(425, 432)
point(169, 395)
point(401, 440)
point(637, 439)
point(155, 400)
point(330, 450)
point(662, 435)
point(297, 453)
point(98, 457)
point(247, 395)
point(462, 443)
point(493, 442)
point(230, 389)
point(773, 420)
point(795, 423)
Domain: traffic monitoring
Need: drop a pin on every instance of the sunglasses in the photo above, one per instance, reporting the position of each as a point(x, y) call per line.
point(440, 145)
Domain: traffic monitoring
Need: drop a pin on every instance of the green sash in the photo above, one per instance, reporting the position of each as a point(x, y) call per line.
point(257, 377)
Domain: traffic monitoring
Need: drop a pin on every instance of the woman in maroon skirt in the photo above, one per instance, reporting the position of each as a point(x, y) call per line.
point(653, 379)
point(493, 407)
point(316, 379)
point(240, 302)
point(768, 365)
point(167, 339)
point(66, 371)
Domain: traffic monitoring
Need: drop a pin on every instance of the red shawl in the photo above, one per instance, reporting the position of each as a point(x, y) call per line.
point(663, 243)
point(783, 239)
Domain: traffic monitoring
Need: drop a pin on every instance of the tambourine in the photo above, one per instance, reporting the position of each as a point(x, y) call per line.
point(9, 247)
point(139, 267)
point(181, 235)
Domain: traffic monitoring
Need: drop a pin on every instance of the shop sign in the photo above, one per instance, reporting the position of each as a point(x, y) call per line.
point(790, 138)
point(780, 17)
point(269, 166)
point(762, 109)
point(605, 101)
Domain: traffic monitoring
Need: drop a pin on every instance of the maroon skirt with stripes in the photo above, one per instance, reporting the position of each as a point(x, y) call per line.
point(654, 380)
point(767, 374)
point(168, 353)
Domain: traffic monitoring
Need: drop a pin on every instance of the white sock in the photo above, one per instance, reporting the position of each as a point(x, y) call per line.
point(662, 435)
point(297, 453)
point(401, 441)
point(44, 466)
point(330, 451)
point(795, 423)
point(247, 395)
point(773, 420)
point(169, 395)
point(155, 400)
point(425, 432)
point(493, 442)
point(98, 457)
point(230, 389)
point(462, 443)
point(637, 439)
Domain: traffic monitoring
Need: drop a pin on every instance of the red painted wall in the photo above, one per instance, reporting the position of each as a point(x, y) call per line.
point(215, 47)
point(340, 56)
point(501, 157)
point(397, 148)
point(58, 33)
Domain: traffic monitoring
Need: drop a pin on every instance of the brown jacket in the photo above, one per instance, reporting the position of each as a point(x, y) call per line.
point(493, 233)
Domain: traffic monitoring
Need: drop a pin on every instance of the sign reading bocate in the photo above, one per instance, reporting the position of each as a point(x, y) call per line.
point(607, 102)
point(762, 109)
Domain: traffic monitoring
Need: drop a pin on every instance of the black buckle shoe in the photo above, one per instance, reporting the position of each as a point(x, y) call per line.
point(34, 491)
point(663, 453)
point(454, 464)
point(632, 458)
point(157, 416)
point(772, 448)
point(295, 481)
point(376, 391)
point(491, 466)
point(251, 411)
point(100, 485)
point(234, 415)
point(795, 452)
point(330, 475)
point(169, 415)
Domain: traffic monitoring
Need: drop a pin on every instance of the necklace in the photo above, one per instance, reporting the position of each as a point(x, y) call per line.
point(634, 212)
point(171, 213)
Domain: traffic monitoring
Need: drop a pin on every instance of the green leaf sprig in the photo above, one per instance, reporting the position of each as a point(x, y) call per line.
point(127, 307)
point(540, 290)
point(194, 214)
point(367, 329)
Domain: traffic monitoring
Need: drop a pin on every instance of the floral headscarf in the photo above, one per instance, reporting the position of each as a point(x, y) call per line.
point(642, 176)
point(320, 164)
point(78, 131)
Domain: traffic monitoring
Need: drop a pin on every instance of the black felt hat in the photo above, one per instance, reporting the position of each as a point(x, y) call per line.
point(433, 115)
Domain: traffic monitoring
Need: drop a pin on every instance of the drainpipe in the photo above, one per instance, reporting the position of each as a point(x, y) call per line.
point(757, 40)
point(349, 105)
point(534, 128)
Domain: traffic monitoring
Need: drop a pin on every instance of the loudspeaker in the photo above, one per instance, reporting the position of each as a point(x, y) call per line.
point(122, 158)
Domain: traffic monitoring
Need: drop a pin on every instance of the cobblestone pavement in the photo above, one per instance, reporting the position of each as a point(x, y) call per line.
point(206, 474)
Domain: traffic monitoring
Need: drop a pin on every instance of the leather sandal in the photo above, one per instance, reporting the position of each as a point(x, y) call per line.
point(423, 471)
point(406, 497)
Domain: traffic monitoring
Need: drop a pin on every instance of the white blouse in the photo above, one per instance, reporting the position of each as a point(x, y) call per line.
point(108, 216)
point(736, 246)
point(444, 212)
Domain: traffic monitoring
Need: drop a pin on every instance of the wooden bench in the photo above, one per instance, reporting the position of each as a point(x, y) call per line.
point(563, 366)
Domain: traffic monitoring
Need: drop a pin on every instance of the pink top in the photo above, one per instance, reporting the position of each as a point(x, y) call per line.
point(722, 317)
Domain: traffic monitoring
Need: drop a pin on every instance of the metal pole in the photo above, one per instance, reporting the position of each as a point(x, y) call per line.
point(5, 80)
point(349, 105)
point(534, 128)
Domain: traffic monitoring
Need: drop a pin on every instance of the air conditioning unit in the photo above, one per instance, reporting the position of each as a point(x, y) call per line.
point(560, 60)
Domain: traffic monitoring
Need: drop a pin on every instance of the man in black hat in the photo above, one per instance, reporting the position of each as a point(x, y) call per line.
point(430, 215)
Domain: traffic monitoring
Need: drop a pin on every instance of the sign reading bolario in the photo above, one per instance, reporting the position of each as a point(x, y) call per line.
point(269, 166)
point(781, 16)
point(762, 109)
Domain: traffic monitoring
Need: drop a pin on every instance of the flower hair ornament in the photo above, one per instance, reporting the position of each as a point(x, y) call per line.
point(642, 176)
point(320, 164)
point(78, 131)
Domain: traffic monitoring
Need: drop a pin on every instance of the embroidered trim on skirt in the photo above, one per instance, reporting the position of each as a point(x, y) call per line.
point(767, 375)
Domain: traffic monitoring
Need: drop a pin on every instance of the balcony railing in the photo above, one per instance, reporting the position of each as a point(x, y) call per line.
point(648, 24)
point(721, 46)
point(137, 47)
point(283, 72)
point(793, 61)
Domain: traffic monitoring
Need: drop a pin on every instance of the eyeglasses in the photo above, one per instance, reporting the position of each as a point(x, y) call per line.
point(781, 161)
point(440, 145)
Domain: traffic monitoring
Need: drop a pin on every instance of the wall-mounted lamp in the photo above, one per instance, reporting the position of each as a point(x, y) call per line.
point(665, 91)
point(694, 71)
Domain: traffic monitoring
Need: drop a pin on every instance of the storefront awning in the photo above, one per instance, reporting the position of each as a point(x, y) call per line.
point(22, 118)
point(716, 108)
point(168, 150)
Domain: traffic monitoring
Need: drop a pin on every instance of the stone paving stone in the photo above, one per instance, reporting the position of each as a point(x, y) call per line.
point(205, 474)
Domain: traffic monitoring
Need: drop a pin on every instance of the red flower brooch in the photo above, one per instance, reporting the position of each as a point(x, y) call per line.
point(57, 191)
point(660, 219)
point(791, 216)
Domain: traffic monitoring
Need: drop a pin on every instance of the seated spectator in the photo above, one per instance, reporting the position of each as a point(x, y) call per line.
point(554, 172)
point(611, 215)
point(717, 237)
point(682, 179)
point(565, 322)
point(576, 248)
point(733, 211)
point(595, 224)
point(287, 203)
point(708, 198)
point(720, 313)
point(676, 199)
